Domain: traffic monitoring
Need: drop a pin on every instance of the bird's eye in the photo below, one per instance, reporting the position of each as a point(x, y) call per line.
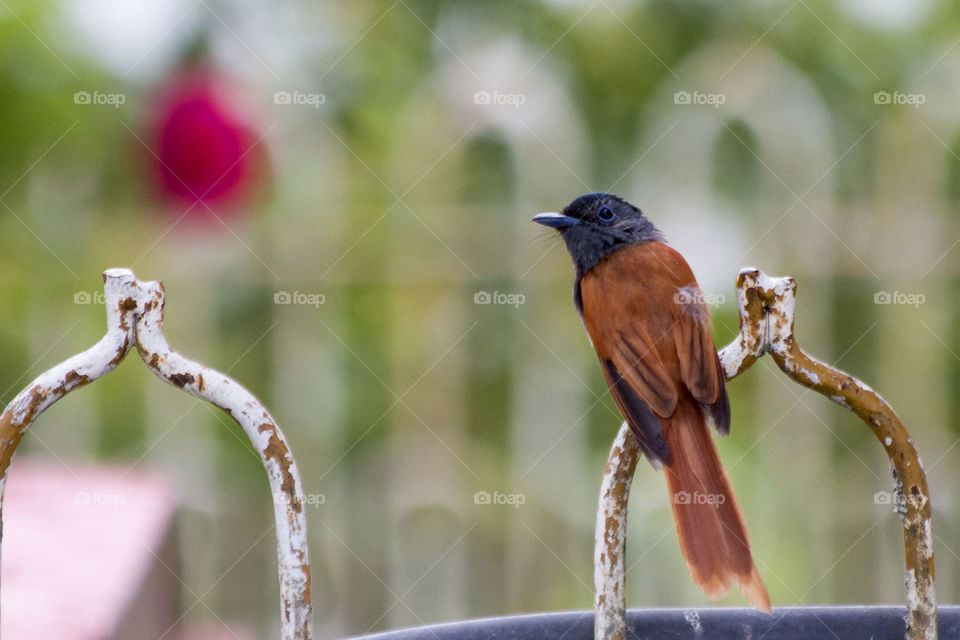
point(605, 213)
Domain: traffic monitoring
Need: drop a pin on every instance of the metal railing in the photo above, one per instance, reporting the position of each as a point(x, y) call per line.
point(135, 320)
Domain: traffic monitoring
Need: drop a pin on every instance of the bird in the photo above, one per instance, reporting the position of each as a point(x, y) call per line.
point(647, 320)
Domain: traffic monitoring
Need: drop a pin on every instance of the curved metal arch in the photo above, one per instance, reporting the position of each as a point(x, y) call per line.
point(135, 318)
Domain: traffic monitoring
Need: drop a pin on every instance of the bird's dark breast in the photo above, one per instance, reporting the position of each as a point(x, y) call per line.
point(589, 245)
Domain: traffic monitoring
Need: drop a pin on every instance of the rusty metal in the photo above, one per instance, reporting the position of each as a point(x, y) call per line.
point(609, 554)
point(766, 306)
point(135, 318)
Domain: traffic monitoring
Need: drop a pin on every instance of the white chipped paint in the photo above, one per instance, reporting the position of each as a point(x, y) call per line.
point(766, 282)
point(864, 386)
point(93, 363)
point(921, 600)
point(732, 357)
point(261, 429)
point(693, 619)
point(840, 400)
point(911, 582)
point(888, 441)
point(609, 553)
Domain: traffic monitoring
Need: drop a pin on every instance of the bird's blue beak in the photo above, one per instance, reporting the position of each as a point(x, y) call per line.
point(556, 220)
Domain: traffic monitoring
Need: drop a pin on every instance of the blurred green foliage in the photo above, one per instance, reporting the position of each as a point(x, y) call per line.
point(401, 197)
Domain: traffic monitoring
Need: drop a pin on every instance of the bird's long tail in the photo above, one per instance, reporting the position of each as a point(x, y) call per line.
point(709, 524)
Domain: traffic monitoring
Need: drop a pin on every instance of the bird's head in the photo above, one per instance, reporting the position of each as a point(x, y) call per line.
point(597, 224)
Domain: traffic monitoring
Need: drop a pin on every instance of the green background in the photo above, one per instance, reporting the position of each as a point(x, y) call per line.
point(403, 196)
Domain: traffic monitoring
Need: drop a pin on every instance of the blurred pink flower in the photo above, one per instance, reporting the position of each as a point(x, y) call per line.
point(205, 151)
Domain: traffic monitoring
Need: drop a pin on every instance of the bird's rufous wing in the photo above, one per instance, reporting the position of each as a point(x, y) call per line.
point(649, 325)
